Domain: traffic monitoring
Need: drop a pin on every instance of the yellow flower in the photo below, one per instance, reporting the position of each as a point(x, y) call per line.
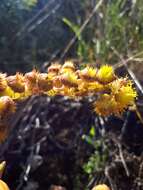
point(7, 106)
point(7, 92)
point(123, 92)
point(106, 74)
point(68, 66)
point(117, 84)
point(126, 95)
point(95, 87)
point(82, 89)
point(70, 92)
point(52, 92)
point(15, 86)
point(101, 187)
point(16, 83)
point(106, 105)
point(88, 74)
point(115, 94)
point(31, 82)
point(69, 79)
point(3, 185)
point(54, 69)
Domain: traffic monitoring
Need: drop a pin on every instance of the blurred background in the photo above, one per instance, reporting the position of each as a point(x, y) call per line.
point(57, 142)
point(36, 31)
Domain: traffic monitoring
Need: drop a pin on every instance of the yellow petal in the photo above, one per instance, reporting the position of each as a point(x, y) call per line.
point(101, 187)
point(106, 74)
point(3, 185)
point(2, 168)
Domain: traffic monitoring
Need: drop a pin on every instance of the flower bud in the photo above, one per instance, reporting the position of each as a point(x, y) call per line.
point(44, 83)
point(106, 105)
point(54, 68)
point(31, 77)
point(7, 106)
point(16, 83)
point(31, 82)
point(88, 74)
point(69, 80)
point(69, 66)
point(3, 83)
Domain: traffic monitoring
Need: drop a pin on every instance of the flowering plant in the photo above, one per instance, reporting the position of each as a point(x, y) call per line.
point(113, 94)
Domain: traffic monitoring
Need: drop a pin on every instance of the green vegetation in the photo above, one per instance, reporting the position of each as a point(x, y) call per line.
point(117, 24)
point(98, 159)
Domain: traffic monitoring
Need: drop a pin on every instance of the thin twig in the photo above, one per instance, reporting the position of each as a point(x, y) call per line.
point(132, 75)
point(117, 141)
point(33, 19)
point(113, 186)
point(132, 58)
point(40, 21)
point(123, 160)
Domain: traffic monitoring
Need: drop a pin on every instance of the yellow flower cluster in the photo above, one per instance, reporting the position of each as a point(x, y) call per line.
point(113, 94)
point(121, 96)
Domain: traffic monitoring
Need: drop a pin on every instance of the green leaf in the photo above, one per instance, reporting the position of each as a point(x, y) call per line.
point(92, 131)
point(75, 28)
